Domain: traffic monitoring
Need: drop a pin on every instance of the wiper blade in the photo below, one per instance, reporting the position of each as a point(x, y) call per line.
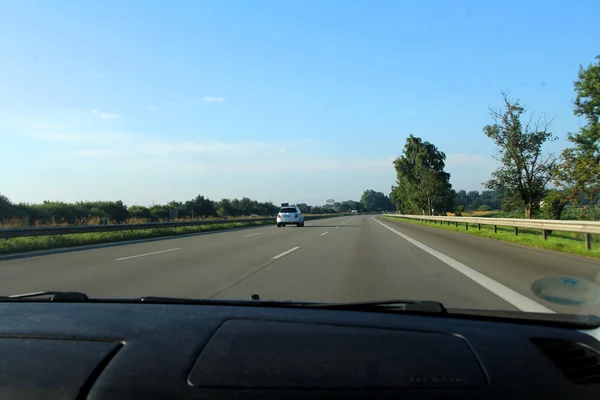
point(388, 305)
point(63, 297)
point(221, 302)
point(374, 306)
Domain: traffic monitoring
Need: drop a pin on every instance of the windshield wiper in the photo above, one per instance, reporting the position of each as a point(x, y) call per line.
point(63, 297)
point(388, 305)
point(380, 306)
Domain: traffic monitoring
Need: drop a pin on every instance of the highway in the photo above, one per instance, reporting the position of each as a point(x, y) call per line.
point(351, 258)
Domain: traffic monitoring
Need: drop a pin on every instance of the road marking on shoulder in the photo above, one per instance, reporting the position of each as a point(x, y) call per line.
point(253, 234)
point(523, 303)
point(336, 227)
point(324, 233)
point(148, 254)
point(285, 253)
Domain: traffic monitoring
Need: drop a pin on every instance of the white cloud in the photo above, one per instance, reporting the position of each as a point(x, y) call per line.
point(105, 115)
point(60, 137)
point(90, 153)
point(212, 99)
point(139, 152)
point(464, 159)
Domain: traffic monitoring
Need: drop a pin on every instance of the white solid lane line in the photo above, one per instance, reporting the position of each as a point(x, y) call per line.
point(147, 254)
point(285, 253)
point(324, 233)
point(253, 234)
point(523, 303)
point(337, 227)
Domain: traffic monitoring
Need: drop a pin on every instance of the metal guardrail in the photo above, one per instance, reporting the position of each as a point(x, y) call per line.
point(75, 229)
point(544, 225)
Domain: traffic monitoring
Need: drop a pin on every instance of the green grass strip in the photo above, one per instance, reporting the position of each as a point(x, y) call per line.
point(567, 242)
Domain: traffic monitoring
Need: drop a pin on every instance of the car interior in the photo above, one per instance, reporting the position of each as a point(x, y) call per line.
point(72, 347)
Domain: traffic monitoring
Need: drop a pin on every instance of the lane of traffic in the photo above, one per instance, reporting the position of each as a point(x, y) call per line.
point(198, 266)
point(362, 261)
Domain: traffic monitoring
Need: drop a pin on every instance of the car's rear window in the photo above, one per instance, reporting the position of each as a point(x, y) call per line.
point(288, 210)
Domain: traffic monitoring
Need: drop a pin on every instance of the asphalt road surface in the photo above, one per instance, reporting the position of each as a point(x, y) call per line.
point(353, 258)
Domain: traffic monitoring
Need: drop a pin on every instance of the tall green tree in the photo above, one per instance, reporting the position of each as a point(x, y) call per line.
point(422, 185)
point(375, 201)
point(579, 171)
point(525, 170)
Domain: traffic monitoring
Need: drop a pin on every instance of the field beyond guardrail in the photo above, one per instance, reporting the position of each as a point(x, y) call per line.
point(544, 225)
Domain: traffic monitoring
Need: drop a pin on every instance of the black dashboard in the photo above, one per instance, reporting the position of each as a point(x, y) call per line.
point(157, 351)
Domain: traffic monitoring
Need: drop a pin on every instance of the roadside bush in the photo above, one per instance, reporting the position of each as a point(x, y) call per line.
point(484, 207)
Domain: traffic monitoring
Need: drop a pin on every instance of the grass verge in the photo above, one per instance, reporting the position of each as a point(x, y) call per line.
point(567, 242)
point(23, 244)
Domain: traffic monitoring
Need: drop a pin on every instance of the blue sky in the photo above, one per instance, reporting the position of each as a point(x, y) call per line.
point(279, 101)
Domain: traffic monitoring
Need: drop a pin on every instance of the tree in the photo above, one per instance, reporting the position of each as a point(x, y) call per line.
point(525, 171)
point(553, 204)
point(375, 201)
point(159, 212)
point(579, 172)
point(349, 205)
point(474, 200)
point(200, 206)
point(461, 199)
point(139, 212)
point(224, 208)
point(422, 185)
point(8, 209)
point(303, 207)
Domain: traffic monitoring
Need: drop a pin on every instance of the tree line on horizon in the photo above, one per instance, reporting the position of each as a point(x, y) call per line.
point(539, 184)
point(87, 212)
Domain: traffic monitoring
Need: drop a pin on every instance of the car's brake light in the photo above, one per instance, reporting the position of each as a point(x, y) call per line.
point(278, 215)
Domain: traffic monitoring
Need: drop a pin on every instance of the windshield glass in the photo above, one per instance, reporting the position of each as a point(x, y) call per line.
point(446, 152)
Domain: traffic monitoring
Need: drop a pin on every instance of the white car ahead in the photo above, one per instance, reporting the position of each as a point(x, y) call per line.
point(290, 215)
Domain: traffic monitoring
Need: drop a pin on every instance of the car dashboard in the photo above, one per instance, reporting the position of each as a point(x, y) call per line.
point(136, 350)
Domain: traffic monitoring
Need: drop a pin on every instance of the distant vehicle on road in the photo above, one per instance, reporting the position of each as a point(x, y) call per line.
point(290, 215)
point(254, 216)
point(354, 212)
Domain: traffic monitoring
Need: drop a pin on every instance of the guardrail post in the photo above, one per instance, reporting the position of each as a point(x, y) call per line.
point(448, 223)
point(478, 227)
point(456, 224)
point(588, 241)
point(544, 234)
point(495, 229)
point(516, 231)
point(466, 226)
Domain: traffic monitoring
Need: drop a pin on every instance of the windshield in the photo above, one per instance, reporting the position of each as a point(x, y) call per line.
point(447, 152)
